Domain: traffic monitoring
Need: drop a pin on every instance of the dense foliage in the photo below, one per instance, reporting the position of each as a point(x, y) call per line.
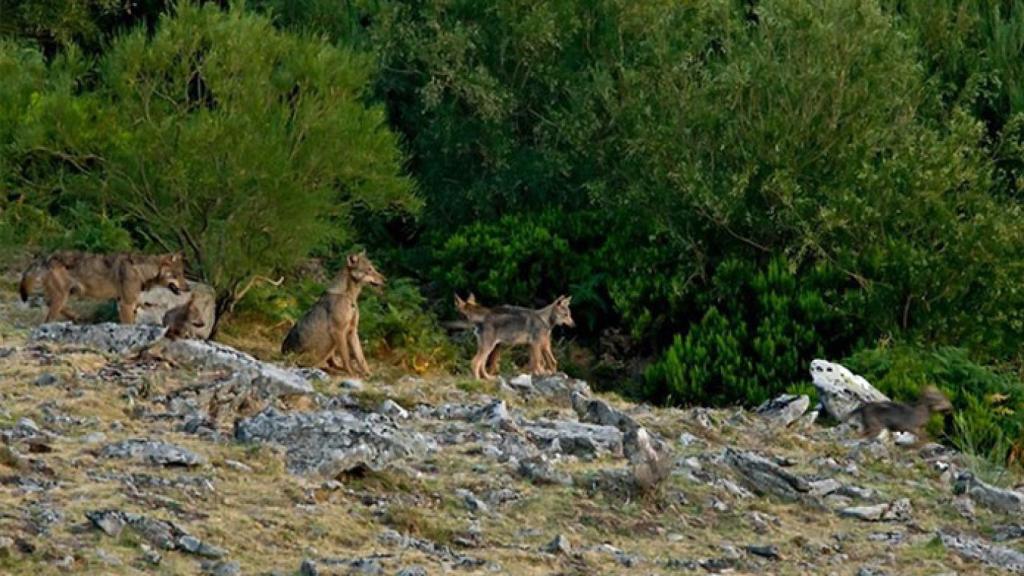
point(741, 185)
point(218, 135)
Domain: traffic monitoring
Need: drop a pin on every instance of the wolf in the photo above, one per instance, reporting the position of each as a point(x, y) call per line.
point(515, 325)
point(329, 331)
point(876, 416)
point(121, 276)
point(181, 321)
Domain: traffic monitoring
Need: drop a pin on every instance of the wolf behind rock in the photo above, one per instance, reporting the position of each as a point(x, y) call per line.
point(876, 416)
point(328, 333)
point(120, 276)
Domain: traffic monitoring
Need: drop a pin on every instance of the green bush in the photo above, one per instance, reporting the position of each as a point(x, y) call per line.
point(215, 134)
point(988, 417)
point(761, 329)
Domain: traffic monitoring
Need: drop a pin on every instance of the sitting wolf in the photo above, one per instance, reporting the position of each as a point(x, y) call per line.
point(329, 332)
point(122, 276)
point(876, 416)
point(514, 325)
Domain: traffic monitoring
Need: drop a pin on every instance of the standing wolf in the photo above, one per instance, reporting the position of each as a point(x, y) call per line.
point(120, 276)
point(329, 332)
point(514, 325)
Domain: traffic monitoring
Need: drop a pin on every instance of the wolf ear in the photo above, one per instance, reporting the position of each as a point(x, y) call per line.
point(353, 259)
point(459, 302)
point(471, 299)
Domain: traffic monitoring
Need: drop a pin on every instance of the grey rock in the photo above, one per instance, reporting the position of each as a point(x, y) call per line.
point(106, 337)
point(560, 545)
point(554, 386)
point(597, 411)
point(46, 379)
point(492, 414)
point(391, 408)
point(574, 438)
point(308, 568)
point(331, 442)
point(899, 510)
point(473, 504)
point(840, 390)
point(153, 452)
point(764, 476)
point(824, 487)
point(977, 549)
point(108, 558)
point(159, 533)
point(412, 571)
point(540, 472)
point(991, 497)
point(156, 301)
point(150, 556)
point(769, 551)
point(271, 380)
point(222, 568)
point(784, 410)
point(1006, 532)
point(851, 491)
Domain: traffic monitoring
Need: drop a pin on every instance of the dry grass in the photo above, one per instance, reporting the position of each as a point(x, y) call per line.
point(269, 519)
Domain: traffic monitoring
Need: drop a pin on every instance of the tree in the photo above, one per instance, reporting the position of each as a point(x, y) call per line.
point(245, 146)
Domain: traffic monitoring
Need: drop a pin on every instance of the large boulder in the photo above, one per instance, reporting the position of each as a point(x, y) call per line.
point(156, 301)
point(271, 380)
point(106, 337)
point(575, 438)
point(331, 442)
point(840, 390)
point(766, 477)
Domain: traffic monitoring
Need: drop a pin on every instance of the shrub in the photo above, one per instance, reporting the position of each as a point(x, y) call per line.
point(760, 330)
point(219, 135)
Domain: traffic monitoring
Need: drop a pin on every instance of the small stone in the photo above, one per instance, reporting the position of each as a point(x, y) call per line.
point(109, 521)
point(222, 568)
point(46, 379)
point(824, 487)
point(308, 568)
point(412, 571)
point(238, 466)
point(391, 408)
point(150, 555)
point(560, 545)
point(767, 551)
point(471, 501)
point(351, 384)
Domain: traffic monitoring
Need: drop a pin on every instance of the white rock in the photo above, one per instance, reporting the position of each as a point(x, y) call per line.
point(840, 390)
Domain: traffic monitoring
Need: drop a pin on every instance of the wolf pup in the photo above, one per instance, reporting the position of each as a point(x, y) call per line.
point(120, 276)
point(911, 418)
point(329, 332)
point(181, 321)
point(512, 326)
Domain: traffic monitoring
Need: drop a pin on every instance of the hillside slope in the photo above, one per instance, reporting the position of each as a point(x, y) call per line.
point(132, 464)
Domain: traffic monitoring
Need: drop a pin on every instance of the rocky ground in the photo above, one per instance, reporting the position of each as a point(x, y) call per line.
point(117, 457)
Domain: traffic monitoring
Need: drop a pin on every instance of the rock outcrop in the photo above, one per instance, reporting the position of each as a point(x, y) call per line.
point(334, 441)
point(107, 337)
point(156, 301)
